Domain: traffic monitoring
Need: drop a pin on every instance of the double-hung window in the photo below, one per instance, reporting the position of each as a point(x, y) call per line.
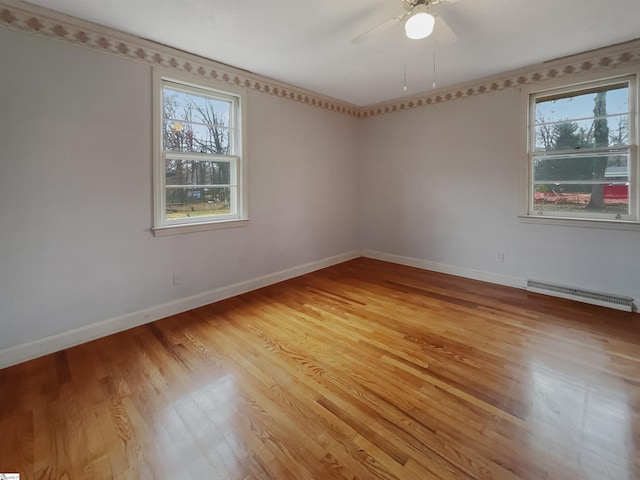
point(582, 152)
point(199, 159)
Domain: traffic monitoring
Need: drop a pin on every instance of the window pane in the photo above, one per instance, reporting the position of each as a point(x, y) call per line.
point(572, 134)
point(598, 117)
point(586, 183)
point(196, 123)
point(601, 167)
point(576, 198)
point(197, 172)
point(189, 202)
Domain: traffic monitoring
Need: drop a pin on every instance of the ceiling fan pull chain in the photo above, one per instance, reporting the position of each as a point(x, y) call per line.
point(435, 44)
point(405, 63)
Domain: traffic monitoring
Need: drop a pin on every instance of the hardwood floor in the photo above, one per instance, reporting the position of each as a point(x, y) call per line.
point(363, 370)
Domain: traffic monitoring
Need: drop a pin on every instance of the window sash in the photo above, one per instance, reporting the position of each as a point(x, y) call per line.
point(229, 127)
point(631, 193)
point(232, 185)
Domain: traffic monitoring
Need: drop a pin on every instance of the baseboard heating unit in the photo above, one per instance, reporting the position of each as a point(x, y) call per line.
point(618, 302)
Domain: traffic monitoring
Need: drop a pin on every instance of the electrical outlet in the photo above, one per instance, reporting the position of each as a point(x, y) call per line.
point(177, 279)
point(499, 256)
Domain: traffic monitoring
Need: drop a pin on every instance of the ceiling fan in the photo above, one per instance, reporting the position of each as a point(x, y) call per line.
point(420, 19)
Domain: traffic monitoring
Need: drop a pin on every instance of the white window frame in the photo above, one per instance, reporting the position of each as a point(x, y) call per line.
point(237, 158)
point(527, 212)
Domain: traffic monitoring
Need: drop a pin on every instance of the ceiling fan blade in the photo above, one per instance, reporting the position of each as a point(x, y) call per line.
point(378, 29)
point(443, 32)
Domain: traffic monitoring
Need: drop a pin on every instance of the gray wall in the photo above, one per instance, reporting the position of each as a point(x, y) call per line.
point(76, 193)
point(442, 184)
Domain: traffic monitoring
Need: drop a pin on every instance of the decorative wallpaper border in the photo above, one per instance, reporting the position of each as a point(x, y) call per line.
point(21, 16)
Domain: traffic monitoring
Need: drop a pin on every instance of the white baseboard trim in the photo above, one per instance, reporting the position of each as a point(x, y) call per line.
point(490, 277)
point(497, 278)
point(37, 348)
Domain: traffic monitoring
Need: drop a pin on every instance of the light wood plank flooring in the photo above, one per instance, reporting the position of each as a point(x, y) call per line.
point(363, 370)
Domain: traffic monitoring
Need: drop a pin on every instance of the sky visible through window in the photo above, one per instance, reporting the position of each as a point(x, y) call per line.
point(187, 104)
point(581, 106)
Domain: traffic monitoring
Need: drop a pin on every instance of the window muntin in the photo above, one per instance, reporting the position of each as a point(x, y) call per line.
point(582, 152)
point(199, 166)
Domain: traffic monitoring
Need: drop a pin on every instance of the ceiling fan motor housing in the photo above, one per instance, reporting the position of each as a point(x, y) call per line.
point(411, 4)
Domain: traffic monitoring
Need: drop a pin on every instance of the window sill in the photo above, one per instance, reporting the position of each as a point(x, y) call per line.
point(198, 227)
point(581, 222)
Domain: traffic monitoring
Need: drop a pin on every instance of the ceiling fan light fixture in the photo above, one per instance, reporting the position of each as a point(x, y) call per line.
point(419, 24)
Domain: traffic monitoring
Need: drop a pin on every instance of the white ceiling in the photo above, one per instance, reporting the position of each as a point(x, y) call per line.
point(307, 43)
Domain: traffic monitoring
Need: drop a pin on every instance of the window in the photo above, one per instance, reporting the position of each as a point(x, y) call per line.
point(582, 152)
point(198, 163)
